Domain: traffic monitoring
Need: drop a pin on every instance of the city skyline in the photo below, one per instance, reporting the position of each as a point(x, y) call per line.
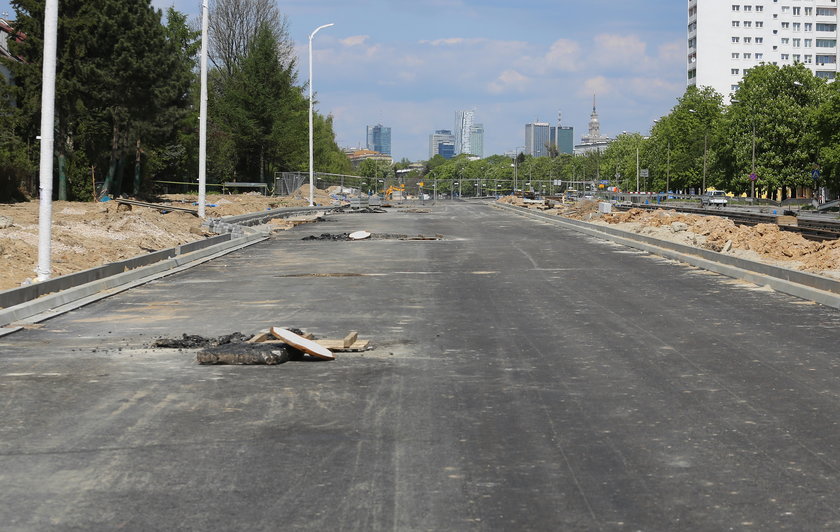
point(513, 64)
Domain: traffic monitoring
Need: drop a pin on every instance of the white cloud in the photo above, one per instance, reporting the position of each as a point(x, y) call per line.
point(598, 85)
point(564, 55)
point(355, 40)
point(509, 81)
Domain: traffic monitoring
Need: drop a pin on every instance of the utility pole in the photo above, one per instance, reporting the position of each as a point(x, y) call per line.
point(705, 151)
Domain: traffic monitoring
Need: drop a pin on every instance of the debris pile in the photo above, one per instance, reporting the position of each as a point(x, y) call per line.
point(272, 347)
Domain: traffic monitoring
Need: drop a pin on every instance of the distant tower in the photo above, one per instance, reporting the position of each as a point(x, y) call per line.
point(594, 123)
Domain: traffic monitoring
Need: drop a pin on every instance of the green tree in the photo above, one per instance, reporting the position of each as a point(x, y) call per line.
point(780, 104)
point(686, 136)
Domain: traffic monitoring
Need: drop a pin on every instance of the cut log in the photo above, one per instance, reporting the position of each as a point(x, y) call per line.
point(350, 339)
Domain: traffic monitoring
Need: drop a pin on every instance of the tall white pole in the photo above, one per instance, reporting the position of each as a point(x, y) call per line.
point(44, 268)
point(311, 144)
point(202, 119)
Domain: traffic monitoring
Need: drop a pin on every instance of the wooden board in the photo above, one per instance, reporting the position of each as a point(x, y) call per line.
point(338, 345)
point(307, 346)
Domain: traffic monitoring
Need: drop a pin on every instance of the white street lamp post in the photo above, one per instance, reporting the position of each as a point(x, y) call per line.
point(44, 268)
point(311, 171)
point(202, 119)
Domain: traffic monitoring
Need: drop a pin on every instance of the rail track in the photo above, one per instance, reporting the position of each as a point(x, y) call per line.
point(817, 230)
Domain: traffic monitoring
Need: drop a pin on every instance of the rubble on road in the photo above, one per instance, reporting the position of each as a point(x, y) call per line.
point(270, 347)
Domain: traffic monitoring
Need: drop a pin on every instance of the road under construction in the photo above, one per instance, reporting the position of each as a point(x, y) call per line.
point(523, 374)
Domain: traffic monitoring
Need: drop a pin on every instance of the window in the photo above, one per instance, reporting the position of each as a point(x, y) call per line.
point(785, 57)
point(797, 26)
point(759, 8)
point(735, 23)
point(736, 39)
point(759, 24)
point(747, 40)
point(826, 11)
point(825, 75)
point(692, 42)
point(797, 43)
point(747, 24)
point(797, 11)
point(808, 59)
point(809, 11)
point(808, 43)
point(736, 55)
point(734, 71)
point(747, 56)
point(759, 40)
point(785, 40)
point(785, 10)
point(736, 8)
point(809, 26)
point(821, 26)
point(692, 74)
point(747, 8)
point(826, 43)
point(826, 59)
point(785, 25)
point(734, 88)
point(797, 58)
point(759, 57)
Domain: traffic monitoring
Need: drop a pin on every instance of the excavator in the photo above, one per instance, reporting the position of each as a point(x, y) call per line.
point(399, 189)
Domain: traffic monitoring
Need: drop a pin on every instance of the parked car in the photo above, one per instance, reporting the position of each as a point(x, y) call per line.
point(714, 197)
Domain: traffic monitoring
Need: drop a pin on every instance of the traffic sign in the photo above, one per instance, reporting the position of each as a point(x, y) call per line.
point(644, 172)
point(753, 176)
point(815, 174)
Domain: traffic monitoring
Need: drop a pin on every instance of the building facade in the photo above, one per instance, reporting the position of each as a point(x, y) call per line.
point(537, 139)
point(463, 131)
point(442, 142)
point(477, 141)
point(379, 139)
point(726, 39)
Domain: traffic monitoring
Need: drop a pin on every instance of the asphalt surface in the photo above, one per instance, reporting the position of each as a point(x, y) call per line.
point(525, 377)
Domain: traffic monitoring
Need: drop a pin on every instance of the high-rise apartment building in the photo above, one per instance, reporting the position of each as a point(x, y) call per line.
point(442, 143)
point(379, 139)
point(463, 131)
point(726, 39)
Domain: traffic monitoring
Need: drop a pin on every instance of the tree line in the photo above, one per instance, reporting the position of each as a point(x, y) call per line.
point(127, 99)
point(782, 126)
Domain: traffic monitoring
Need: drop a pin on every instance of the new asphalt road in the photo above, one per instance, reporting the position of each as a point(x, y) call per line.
point(525, 377)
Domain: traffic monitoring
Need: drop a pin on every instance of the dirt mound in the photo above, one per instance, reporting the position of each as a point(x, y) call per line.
point(87, 235)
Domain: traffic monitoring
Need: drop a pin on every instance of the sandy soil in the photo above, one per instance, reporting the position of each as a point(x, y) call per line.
point(764, 242)
point(86, 235)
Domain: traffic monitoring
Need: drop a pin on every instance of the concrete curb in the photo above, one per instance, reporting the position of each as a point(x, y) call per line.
point(236, 224)
point(804, 285)
point(51, 305)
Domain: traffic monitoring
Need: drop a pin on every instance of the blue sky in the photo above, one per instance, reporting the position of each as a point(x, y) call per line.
point(411, 64)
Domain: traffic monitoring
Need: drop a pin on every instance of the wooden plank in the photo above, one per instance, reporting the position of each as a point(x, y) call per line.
point(338, 345)
point(308, 346)
point(350, 338)
point(260, 337)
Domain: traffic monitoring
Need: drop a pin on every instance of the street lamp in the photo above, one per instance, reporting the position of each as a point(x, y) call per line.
point(311, 157)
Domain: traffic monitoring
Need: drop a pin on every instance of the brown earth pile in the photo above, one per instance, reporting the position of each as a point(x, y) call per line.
point(764, 242)
point(86, 235)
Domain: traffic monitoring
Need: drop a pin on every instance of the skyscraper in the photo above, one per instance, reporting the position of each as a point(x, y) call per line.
point(463, 131)
point(726, 39)
point(477, 140)
point(379, 139)
point(442, 143)
point(537, 138)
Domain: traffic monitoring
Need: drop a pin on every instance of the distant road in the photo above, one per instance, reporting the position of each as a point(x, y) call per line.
point(526, 378)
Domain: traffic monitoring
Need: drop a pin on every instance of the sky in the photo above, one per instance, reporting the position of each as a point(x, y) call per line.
point(411, 64)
